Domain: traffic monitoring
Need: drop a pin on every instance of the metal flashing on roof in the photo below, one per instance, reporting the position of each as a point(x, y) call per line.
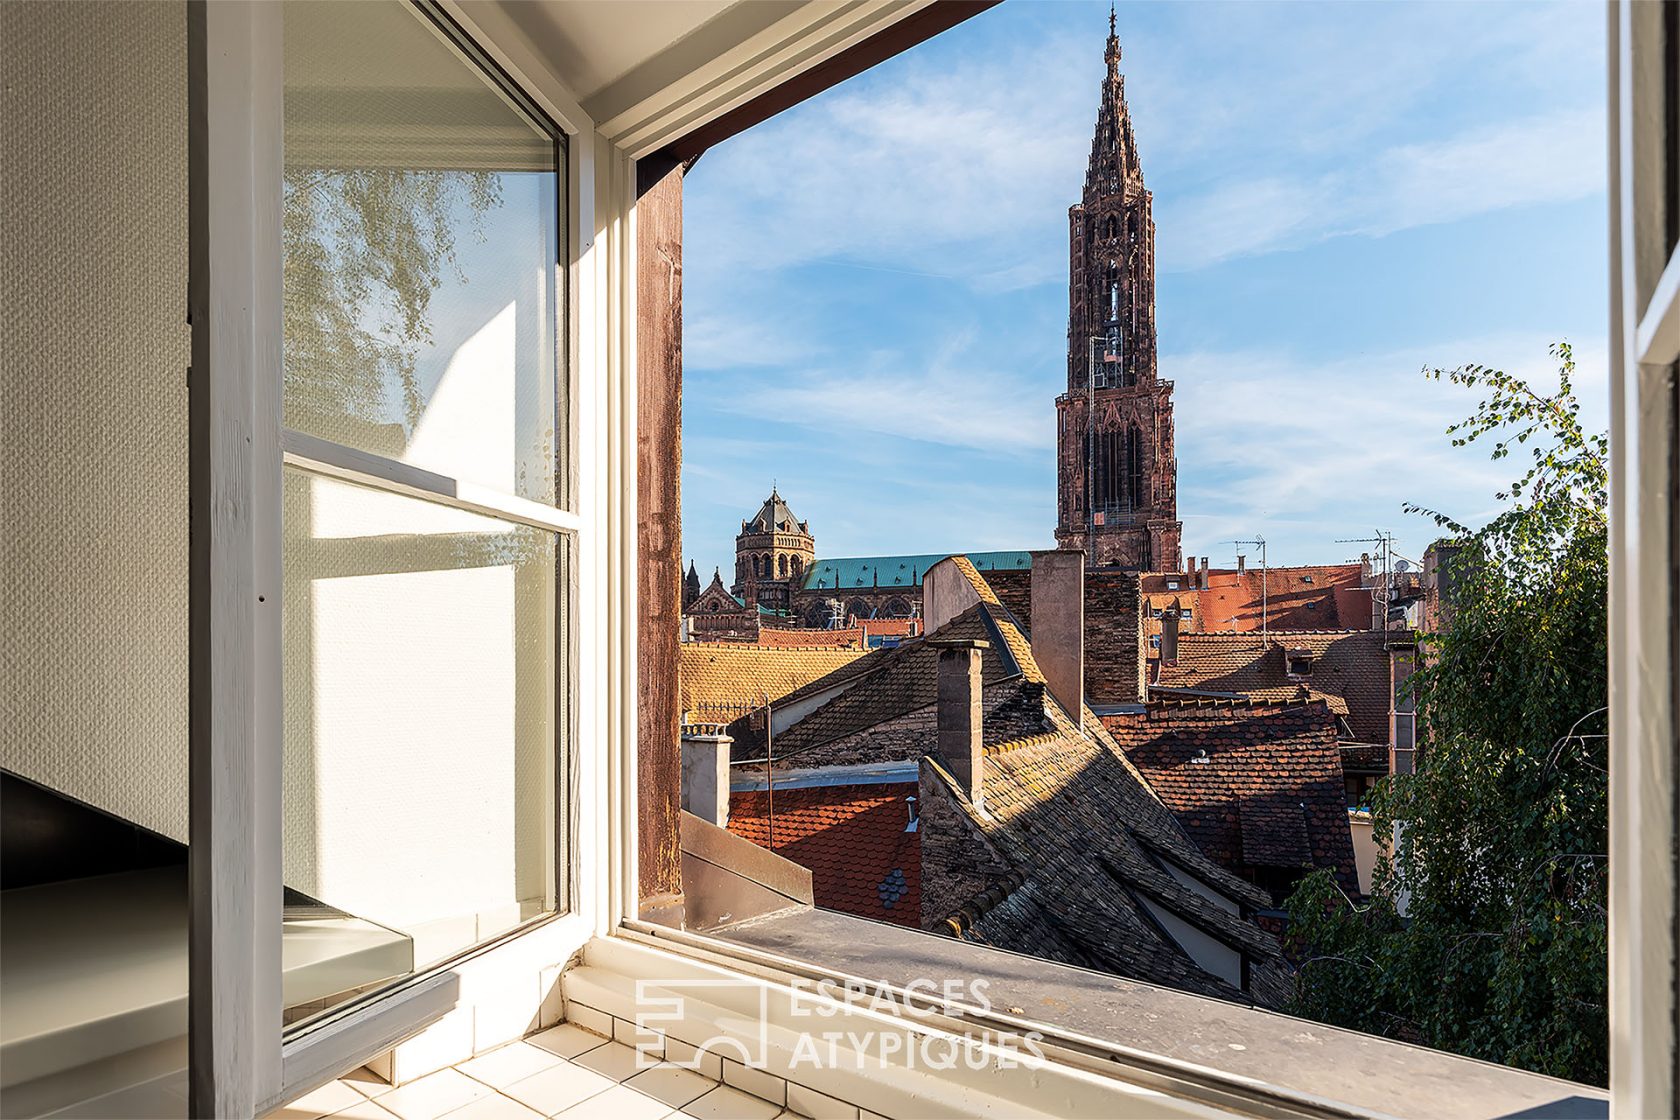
point(863, 774)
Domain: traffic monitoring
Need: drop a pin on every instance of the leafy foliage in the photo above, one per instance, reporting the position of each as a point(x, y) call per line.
point(365, 250)
point(1501, 869)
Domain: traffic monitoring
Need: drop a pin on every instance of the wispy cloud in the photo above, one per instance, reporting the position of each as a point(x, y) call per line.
point(1308, 452)
point(1555, 158)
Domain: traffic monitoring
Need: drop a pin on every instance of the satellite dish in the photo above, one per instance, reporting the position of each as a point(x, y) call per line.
point(1402, 566)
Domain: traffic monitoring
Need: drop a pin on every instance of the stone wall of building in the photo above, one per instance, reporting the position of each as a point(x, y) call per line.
point(1114, 640)
point(958, 862)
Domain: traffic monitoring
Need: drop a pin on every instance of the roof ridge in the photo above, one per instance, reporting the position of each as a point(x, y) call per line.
point(1043, 738)
point(962, 919)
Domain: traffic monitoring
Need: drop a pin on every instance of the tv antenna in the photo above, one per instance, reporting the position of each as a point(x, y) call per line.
point(1260, 543)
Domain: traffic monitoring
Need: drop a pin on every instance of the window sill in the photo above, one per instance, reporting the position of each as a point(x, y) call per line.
point(1124, 1028)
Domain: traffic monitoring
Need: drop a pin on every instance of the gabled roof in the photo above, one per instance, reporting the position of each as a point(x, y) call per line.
point(1349, 671)
point(716, 592)
point(855, 572)
point(723, 675)
point(1255, 785)
point(853, 839)
point(1089, 848)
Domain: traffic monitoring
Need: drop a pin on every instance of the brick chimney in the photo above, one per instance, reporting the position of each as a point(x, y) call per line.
point(705, 776)
point(1204, 573)
point(1169, 635)
point(1242, 563)
point(1058, 626)
point(958, 709)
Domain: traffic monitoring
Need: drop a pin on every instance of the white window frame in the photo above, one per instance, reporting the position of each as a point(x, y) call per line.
point(239, 1064)
point(1644, 347)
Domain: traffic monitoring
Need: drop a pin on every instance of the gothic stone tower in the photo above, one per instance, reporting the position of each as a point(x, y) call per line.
point(1117, 498)
point(773, 551)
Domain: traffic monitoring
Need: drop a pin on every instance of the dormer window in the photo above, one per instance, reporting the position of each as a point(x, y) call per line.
point(1299, 663)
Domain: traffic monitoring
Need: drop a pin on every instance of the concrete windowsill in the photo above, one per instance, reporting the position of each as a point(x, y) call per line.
point(1368, 1073)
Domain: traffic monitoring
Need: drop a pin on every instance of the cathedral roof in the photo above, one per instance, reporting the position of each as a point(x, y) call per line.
point(853, 572)
point(773, 516)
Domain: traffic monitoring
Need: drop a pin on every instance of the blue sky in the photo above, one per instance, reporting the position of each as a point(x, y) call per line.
point(875, 282)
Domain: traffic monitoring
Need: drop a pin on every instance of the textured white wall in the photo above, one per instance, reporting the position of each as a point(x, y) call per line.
point(93, 404)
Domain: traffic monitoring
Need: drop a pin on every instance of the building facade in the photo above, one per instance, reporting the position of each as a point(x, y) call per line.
point(1117, 493)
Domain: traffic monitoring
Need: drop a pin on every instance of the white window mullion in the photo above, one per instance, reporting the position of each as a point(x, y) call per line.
point(234, 993)
point(325, 457)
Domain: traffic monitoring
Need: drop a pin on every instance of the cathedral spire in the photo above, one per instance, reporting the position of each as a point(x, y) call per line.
point(1112, 53)
point(1114, 156)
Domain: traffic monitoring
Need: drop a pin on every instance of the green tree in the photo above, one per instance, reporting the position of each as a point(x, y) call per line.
point(365, 250)
point(1502, 859)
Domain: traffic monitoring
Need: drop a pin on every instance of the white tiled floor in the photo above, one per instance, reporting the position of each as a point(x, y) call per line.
point(566, 1072)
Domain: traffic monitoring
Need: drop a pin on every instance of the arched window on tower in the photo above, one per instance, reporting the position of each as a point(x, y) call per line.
point(757, 568)
point(798, 567)
point(781, 566)
point(1131, 226)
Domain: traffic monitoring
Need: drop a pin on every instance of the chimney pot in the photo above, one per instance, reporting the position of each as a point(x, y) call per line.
point(1169, 635)
point(1058, 626)
point(705, 776)
point(958, 713)
point(1242, 564)
point(1204, 573)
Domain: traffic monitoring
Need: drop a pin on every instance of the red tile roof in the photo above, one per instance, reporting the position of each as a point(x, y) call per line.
point(1256, 786)
point(848, 638)
point(890, 627)
point(852, 839)
point(1320, 597)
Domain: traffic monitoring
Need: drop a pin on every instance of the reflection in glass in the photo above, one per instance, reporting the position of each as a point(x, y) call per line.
point(420, 716)
point(421, 247)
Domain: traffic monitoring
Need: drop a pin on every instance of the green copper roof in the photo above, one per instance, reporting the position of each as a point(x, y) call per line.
point(901, 571)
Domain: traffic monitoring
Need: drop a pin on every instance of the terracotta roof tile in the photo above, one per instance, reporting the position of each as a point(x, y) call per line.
point(848, 638)
point(1299, 598)
point(853, 840)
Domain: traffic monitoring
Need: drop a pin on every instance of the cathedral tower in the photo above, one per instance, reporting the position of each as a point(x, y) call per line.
point(1117, 493)
point(773, 551)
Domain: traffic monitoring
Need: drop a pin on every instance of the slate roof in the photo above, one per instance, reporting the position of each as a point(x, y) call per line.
point(773, 516)
point(851, 837)
point(852, 572)
point(1349, 672)
point(1256, 786)
point(727, 674)
point(1089, 847)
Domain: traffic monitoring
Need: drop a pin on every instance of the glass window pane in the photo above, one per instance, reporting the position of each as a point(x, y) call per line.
point(421, 669)
point(421, 242)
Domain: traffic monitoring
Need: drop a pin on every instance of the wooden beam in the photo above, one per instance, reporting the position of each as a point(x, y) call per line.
point(659, 529)
point(900, 37)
